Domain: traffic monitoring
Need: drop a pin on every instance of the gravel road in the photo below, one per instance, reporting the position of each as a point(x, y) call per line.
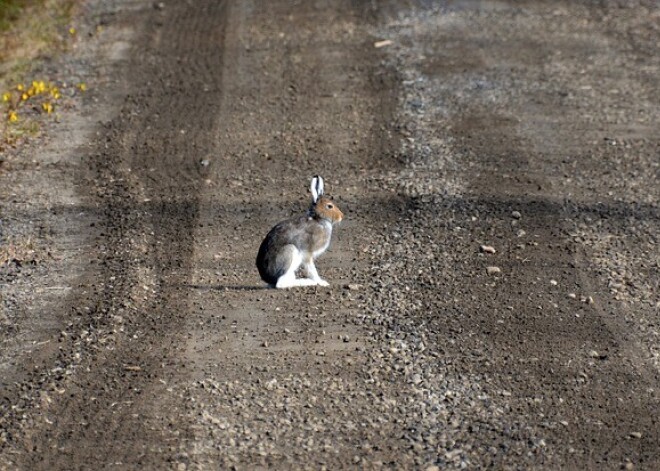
point(494, 296)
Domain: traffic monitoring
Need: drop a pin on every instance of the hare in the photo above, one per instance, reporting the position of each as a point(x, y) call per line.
point(298, 241)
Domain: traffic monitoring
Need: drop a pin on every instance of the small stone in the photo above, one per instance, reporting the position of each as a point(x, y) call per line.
point(554, 282)
point(493, 270)
point(264, 344)
point(487, 249)
point(205, 162)
point(416, 379)
point(432, 468)
point(516, 215)
point(383, 43)
point(635, 435)
point(594, 354)
point(353, 286)
point(572, 295)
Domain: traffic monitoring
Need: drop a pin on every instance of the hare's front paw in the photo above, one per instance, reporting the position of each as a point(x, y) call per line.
point(321, 282)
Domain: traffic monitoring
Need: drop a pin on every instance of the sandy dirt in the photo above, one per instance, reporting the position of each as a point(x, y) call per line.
point(494, 289)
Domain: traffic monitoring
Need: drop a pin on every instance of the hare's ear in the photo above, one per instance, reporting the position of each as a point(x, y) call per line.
point(316, 188)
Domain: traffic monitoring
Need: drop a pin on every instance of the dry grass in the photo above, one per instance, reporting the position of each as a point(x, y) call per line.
point(32, 28)
point(21, 252)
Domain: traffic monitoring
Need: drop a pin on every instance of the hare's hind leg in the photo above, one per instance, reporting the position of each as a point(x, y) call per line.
point(290, 259)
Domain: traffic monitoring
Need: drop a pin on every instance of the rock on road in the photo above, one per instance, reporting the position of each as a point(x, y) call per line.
point(494, 287)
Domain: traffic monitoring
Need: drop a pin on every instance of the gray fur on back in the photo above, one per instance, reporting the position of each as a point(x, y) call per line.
point(308, 234)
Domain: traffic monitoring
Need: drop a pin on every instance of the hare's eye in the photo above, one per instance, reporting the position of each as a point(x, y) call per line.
point(329, 206)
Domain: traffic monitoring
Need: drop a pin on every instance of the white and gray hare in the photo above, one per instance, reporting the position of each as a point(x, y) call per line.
point(296, 242)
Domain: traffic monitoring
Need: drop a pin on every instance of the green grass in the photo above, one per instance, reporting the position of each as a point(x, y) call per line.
point(10, 10)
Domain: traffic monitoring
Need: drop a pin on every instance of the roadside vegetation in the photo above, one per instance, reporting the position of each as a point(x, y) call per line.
point(30, 30)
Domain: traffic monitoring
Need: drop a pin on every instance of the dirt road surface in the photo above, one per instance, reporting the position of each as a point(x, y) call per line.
point(494, 297)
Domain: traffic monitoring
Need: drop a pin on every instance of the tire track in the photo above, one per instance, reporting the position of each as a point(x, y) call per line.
point(146, 176)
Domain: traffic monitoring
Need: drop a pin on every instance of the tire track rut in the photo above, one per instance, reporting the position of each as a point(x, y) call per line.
point(147, 177)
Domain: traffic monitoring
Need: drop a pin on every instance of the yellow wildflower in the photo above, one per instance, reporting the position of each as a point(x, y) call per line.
point(12, 117)
point(25, 96)
point(72, 31)
point(55, 93)
point(39, 87)
point(20, 87)
point(82, 86)
point(6, 97)
point(47, 107)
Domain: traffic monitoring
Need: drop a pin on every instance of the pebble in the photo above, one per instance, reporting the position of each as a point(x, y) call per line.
point(554, 282)
point(635, 435)
point(488, 249)
point(383, 43)
point(516, 215)
point(493, 270)
point(353, 286)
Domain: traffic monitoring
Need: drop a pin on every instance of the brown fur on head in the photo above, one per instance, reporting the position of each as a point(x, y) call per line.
point(322, 207)
point(325, 208)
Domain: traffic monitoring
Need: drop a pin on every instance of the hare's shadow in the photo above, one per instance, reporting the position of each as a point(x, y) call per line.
point(225, 287)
